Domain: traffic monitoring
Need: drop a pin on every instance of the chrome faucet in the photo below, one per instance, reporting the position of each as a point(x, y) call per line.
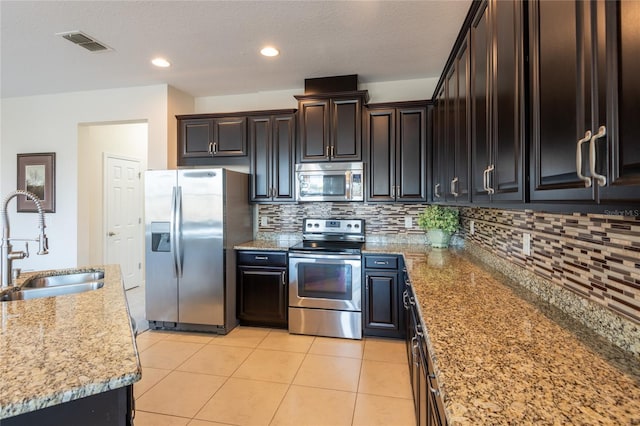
point(8, 256)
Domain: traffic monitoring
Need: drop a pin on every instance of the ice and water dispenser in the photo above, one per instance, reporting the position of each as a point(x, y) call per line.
point(161, 236)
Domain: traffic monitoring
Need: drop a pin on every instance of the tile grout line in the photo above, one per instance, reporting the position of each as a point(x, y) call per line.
point(252, 350)
point(195, 417)
point(291, 383)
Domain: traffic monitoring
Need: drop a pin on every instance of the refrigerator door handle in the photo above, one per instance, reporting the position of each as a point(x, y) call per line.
point(179, 254)
point(172, 235)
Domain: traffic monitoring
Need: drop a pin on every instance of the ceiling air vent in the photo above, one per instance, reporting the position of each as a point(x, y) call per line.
point(84, 40)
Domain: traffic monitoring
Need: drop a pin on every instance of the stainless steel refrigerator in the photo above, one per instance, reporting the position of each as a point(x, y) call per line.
point(193, 219)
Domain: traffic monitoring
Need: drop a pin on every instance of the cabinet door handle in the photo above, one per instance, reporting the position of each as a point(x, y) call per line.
point(405, 296)
point(333, 151)
point(484, 180)
point(414, 347)
point(436, 190)
point(602, 180)
point(419, 331)
point(398, 191)
point(487, 185)
point(328, 152)
point(454, 181)
point(586, 179)
point(393, 191)
point(284, 278)
point(210, 148)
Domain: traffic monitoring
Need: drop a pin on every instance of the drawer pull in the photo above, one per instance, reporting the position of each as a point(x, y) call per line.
point(380, 262)
point(261, 258)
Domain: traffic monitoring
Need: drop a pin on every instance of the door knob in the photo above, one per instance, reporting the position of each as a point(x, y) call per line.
point(111, 233)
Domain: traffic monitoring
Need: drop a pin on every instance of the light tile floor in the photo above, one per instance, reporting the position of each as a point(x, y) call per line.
point(258, 376)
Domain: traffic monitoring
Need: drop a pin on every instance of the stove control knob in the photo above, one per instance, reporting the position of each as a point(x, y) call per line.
point(349, 225)
point(309, 225)
point(356, 225)
point(317, 225)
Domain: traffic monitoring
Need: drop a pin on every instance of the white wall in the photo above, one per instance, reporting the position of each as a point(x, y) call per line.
point(50, 123)
point(178, 103)
point(276, 99)
point(126, 140)
point(388, 91)
point(403, 90)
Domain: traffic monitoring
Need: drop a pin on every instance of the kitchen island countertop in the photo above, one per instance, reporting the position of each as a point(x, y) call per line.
point(58, 349)
point(504, 356)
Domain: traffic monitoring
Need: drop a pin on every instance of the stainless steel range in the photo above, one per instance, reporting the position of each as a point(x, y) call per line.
point(325, 279)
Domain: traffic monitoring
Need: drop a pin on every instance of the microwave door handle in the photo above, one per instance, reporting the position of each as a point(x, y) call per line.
point(348, 183)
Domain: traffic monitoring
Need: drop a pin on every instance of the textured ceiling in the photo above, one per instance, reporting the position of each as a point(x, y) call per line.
point(213, 45)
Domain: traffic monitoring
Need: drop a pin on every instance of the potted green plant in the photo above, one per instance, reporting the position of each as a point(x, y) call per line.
point(440, 223)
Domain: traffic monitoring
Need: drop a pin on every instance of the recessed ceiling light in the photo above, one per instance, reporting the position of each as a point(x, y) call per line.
point(270, 51)
point(160, 62)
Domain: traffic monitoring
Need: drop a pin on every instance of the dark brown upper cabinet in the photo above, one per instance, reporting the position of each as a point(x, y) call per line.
point(479, 115)
point(585, 62)
point(272, 142)
point(451, 142)
point(396, 141)
point(439, 152)
point(330, 126)
point(457, 104)
point(211, 139)
point(497, 101)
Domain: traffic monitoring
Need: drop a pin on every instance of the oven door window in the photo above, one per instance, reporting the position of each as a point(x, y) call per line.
point(312, 185)
point(325, 280)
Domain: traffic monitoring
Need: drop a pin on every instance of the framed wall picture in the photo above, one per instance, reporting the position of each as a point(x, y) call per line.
point(37, 174)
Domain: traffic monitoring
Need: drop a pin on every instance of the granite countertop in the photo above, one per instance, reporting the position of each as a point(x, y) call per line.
point(502, 355)
point(62, 348)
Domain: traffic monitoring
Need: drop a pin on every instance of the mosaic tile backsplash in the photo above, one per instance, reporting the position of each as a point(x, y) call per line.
point(596, 257)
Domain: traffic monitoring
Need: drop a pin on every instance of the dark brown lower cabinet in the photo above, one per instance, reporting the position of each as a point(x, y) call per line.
point(429, 407)
point(110, 408)
point(262, 288)
point(382, 292)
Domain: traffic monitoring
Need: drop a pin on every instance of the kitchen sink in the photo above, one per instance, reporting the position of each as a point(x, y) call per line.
point(63, 280)
point(59, 290)
point(56, 285)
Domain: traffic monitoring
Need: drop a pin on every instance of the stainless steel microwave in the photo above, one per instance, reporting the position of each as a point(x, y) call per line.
point(330, 182)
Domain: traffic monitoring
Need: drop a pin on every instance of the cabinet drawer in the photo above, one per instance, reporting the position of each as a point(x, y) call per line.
point(262, 258)
point(381, 262)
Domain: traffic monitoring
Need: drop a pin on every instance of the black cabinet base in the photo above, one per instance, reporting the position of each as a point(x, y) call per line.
point(265, 323)
point(111, 408)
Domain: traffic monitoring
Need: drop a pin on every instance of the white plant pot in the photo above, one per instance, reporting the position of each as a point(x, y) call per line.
point(439, 238)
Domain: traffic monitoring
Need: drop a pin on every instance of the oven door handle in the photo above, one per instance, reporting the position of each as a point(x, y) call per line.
point(322, 256)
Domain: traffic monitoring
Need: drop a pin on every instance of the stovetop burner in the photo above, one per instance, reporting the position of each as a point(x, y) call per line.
point(332, 236)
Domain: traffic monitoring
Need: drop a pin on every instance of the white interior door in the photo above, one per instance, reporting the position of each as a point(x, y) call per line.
point(123, 221)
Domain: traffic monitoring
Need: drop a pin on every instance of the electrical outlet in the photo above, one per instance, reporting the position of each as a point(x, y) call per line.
point(472, 227)
point(526, 244)
point(264, 221)
point(408, 222)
